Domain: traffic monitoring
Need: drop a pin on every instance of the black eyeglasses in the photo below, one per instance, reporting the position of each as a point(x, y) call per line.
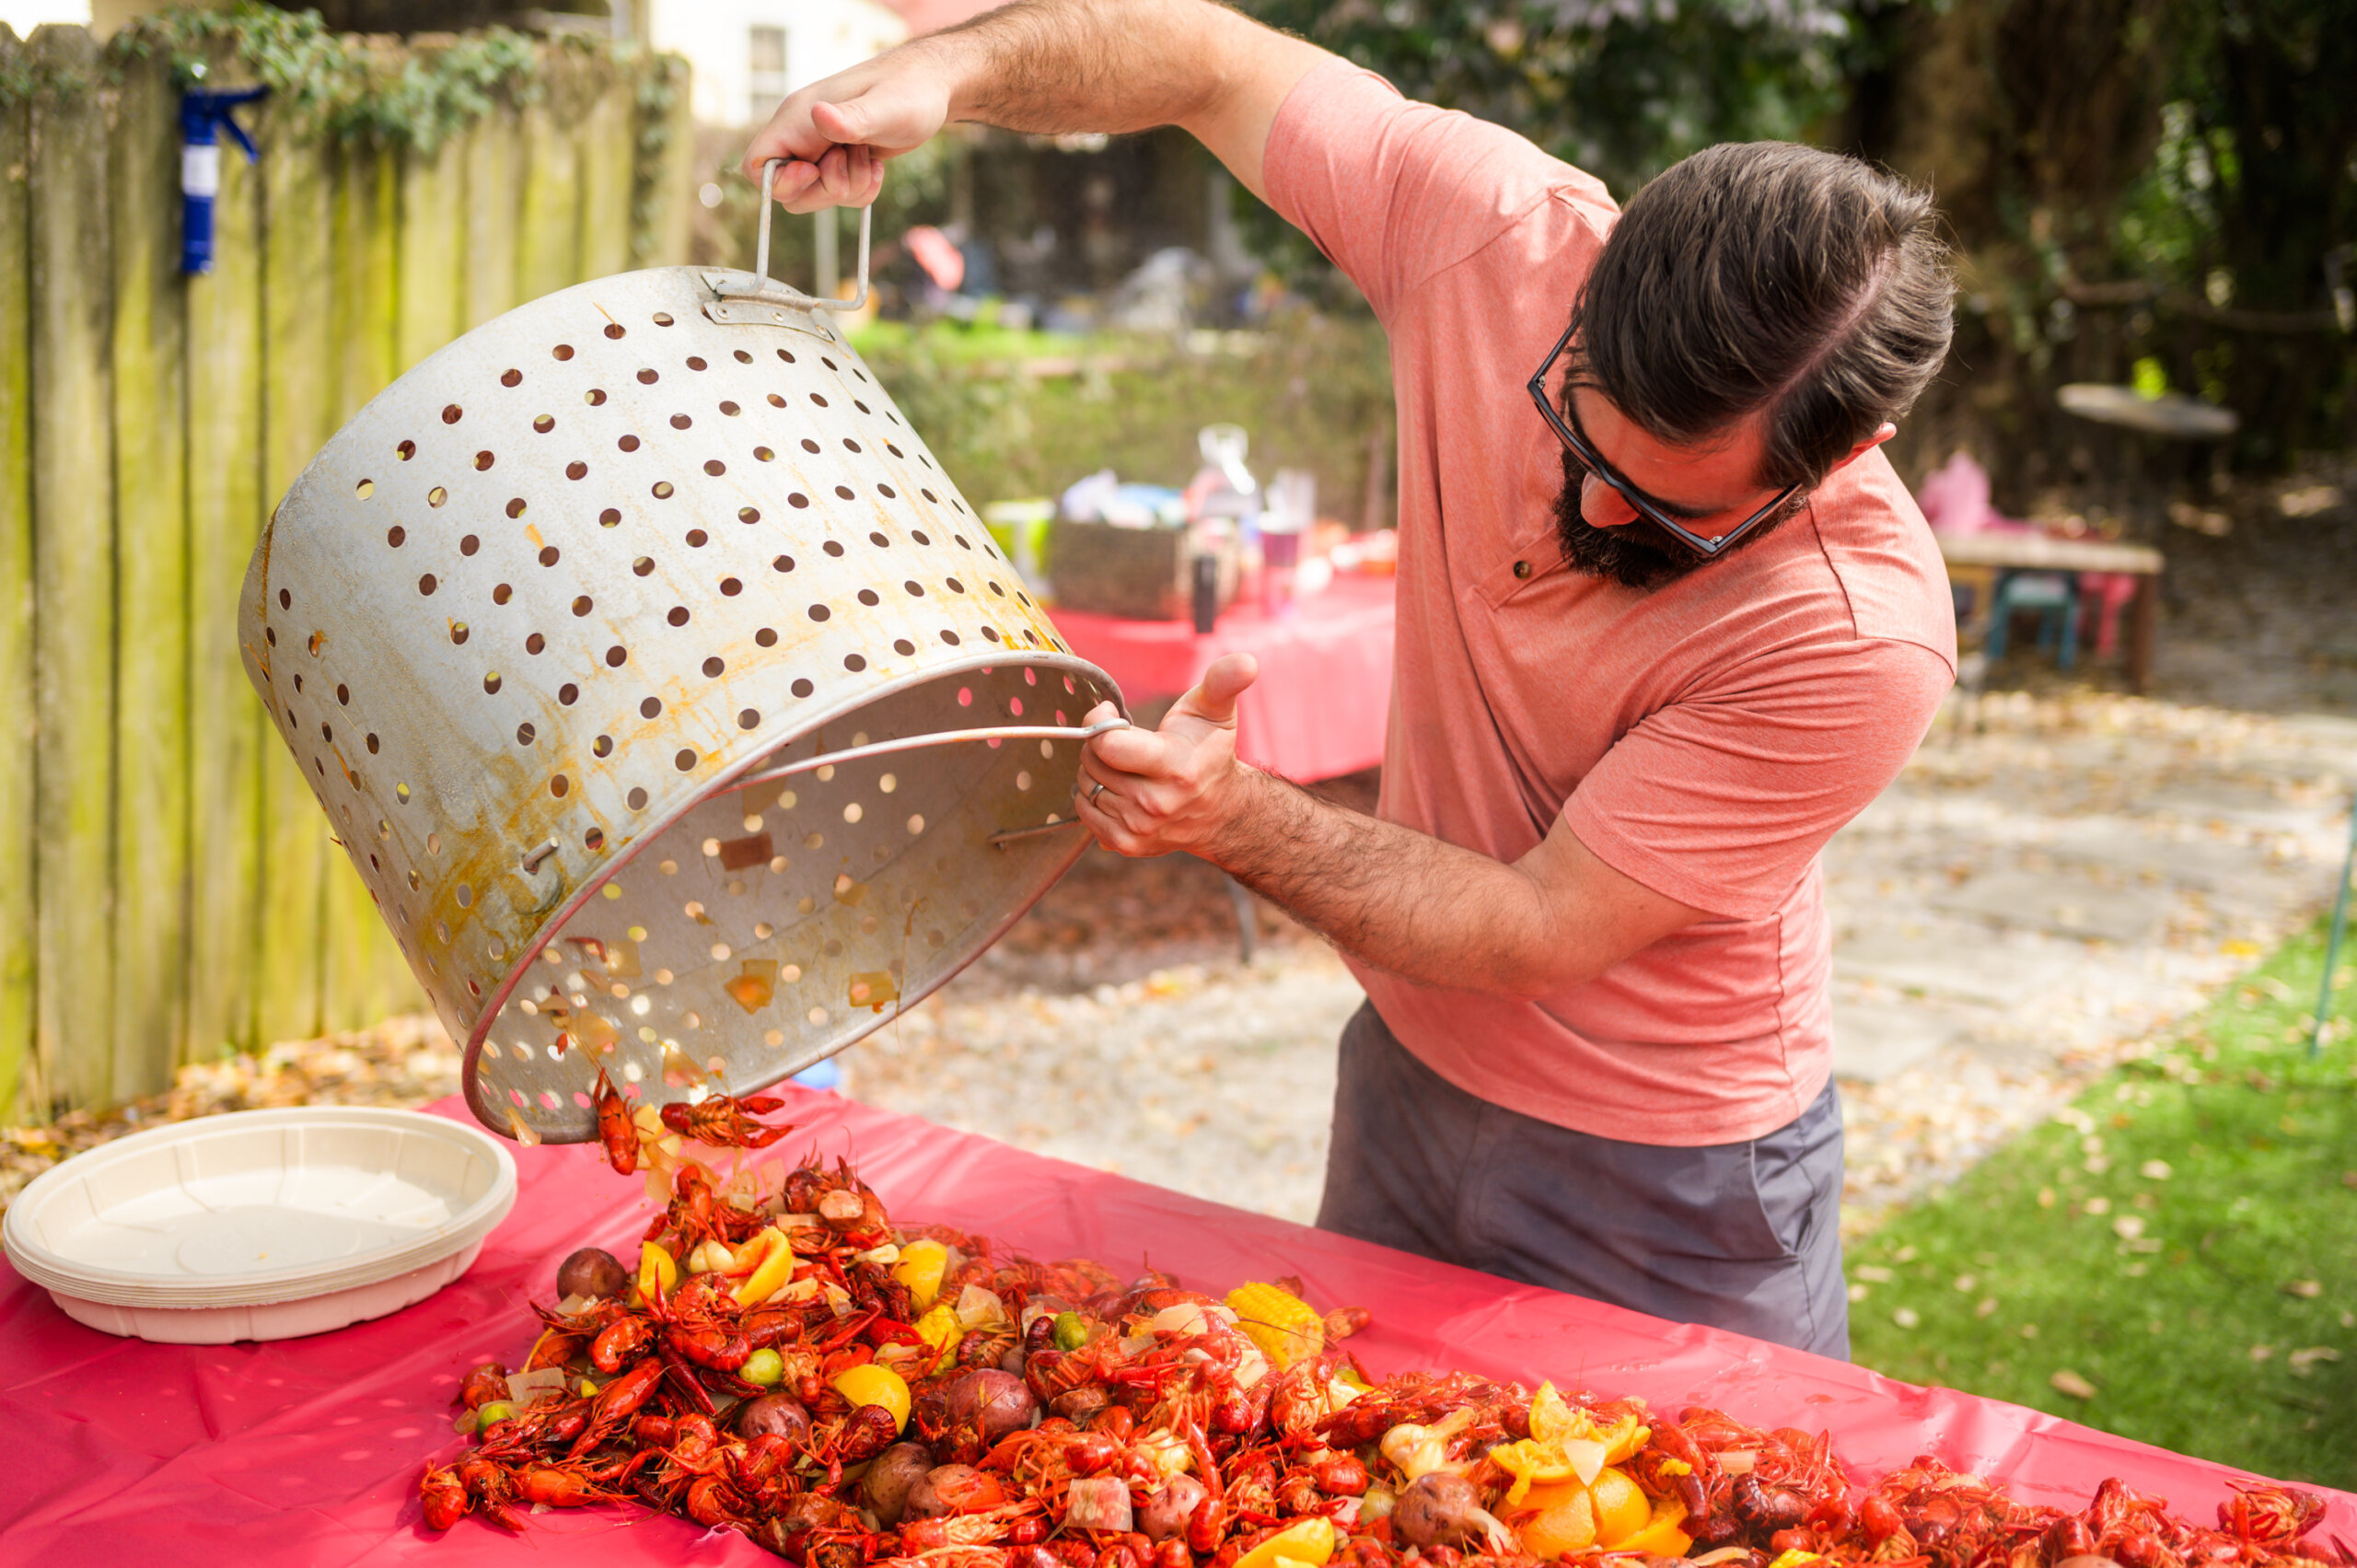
point(1641, 504)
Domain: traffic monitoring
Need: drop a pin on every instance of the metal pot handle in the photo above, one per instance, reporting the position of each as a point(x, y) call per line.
point(762, 248)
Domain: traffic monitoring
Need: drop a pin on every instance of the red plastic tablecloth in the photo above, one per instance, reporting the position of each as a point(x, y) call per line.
point(305, 1453)
point(1324, 694)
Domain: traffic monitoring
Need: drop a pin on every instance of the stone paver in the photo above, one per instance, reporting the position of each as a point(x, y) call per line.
point(1217, 1082)
point(2052, 880)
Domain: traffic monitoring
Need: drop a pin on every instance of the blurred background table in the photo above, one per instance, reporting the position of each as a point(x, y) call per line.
point(1324, 695)
point(1999, 553)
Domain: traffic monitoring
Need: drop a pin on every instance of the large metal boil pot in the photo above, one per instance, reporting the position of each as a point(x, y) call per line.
point(618, 639)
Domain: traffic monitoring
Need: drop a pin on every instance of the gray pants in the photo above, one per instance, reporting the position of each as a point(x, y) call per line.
point(1743, 1236)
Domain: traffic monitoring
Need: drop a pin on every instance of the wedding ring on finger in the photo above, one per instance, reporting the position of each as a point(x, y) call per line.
point(1095, 790)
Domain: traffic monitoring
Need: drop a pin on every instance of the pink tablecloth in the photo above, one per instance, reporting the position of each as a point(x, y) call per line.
point(1324, 695)
point(305, 1453)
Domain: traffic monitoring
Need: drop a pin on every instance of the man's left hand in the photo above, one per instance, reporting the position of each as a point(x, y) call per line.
point(1180, 787)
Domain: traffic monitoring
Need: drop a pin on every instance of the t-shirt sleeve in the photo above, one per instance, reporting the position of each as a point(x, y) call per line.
point(1394, 190)
point(1720, 800)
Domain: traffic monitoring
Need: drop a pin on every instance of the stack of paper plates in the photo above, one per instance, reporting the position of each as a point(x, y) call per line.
point(262, 1225)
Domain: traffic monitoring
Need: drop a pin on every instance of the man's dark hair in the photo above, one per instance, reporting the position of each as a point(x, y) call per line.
point(1766, 277)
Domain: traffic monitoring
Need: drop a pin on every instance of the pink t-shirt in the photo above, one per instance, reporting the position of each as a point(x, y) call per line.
point(1704, 739)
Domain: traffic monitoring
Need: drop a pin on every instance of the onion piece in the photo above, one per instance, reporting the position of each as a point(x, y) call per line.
point(1186, 1317)
point(1167, 1450)
point(536, 1388)
point(1098, 1502)
point(1738, 1462)
point(977, 1307)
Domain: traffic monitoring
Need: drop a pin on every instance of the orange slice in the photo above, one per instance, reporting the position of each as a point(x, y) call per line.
point(1662, 1535)
point(1559, 1531)
point(1621, 1510)
point(1305, 1541)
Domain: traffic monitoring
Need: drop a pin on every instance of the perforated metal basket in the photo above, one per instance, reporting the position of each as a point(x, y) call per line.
point(618, 639)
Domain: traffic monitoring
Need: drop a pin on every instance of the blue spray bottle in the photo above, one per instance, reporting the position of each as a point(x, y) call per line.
point(204, 115)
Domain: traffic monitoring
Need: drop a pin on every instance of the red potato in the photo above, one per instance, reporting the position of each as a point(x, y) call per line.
point(1167, 1511)
point(953, 1489)
point(890, 1480)
point(591, 1272)
point(779, 1413)
point(1439, 1509)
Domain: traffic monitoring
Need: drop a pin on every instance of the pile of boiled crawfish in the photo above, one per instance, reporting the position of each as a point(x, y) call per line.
point(786, 1363)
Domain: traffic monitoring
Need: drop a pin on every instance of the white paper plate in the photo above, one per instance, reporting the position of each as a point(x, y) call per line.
point(269, 1320)
point(259, 1208)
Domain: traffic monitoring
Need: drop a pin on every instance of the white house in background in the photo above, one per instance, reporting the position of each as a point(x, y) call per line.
point(749, 54)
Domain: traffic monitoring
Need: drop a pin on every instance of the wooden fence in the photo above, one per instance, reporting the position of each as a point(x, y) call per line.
point(168, 885)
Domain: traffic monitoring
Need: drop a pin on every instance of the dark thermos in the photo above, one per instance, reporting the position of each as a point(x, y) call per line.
point(1206, 592)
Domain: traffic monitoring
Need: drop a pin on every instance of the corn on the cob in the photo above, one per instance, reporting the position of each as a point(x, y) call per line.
point(1285, 1327)
point(939, 1331)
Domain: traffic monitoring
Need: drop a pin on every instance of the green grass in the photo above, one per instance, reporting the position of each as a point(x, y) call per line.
point(988, 344)
point(2184, 1239)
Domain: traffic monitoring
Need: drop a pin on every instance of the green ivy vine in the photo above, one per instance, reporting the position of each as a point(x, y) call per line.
point(343, 86)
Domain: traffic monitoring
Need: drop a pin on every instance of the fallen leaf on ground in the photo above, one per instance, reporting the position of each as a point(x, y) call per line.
point(2154, 1171)
point(2260, 1352)
point(2066, 1381)
point(2308, 1290)
point(2302, 1360)
point(1904, 1317)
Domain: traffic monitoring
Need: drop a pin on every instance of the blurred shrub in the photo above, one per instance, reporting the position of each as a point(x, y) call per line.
point(1029, 413)
point(1623, 89)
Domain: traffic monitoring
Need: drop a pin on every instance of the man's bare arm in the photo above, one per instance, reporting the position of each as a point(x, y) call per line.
point(1427, 911)
point(1044, 67)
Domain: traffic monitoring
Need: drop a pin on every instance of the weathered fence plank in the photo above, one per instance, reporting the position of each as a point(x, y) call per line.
point(72, 572)
point(364, 976)
point(608, 136)
point(299, 415)
point(494, 160)
point(151, 865)
point(18, 947)
point(225, 375)
point(431, 242)
point(667, 171)
point(547, 236)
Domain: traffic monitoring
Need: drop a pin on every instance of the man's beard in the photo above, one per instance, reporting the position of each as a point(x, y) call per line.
point(1637, 555)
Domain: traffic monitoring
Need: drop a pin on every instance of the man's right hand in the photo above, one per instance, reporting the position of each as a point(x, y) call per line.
point(837, 133)
point(1043, 67)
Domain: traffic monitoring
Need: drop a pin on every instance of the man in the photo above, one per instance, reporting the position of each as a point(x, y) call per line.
point(1662, 629)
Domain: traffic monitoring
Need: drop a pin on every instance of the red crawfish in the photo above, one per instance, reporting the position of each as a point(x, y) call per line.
point(614, 1129)
point(723, 1120)
point(485, 1384)
point(450, 1493)
point(2270, 1516)
point(445, 1501)
point(559, 1486)
point(617, 1403)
